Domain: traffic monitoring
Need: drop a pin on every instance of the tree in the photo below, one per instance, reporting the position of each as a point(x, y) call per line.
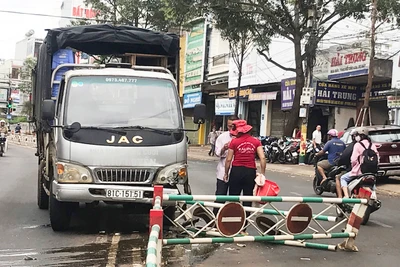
point(240, 39)
point(26, 75)
point(27, 108)
point(289, 19)
point(383, 11)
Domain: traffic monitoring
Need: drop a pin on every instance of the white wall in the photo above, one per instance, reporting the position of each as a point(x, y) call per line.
point(218, 47)
point(342, 116)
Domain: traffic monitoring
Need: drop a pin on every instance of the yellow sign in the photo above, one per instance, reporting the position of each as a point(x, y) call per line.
point(182, 44)
point(242, 93)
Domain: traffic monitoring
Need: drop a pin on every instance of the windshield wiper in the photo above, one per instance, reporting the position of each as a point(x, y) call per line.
point(139, 127)
point(396, 140)
point(104, 129)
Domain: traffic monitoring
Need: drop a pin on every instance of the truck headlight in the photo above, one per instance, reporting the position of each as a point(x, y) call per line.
point(71, 173)
point(172, 174)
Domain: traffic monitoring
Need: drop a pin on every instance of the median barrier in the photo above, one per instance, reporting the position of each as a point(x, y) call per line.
point(274, 225)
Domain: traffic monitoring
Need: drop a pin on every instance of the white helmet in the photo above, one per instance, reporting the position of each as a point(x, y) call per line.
point(2, 121)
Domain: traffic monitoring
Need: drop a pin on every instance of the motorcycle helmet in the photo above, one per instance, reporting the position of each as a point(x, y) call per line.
point(362, 131)
point(353, 132)
point(333, 132)
point(3, 121)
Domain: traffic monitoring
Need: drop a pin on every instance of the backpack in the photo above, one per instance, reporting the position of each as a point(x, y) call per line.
point(369, 162)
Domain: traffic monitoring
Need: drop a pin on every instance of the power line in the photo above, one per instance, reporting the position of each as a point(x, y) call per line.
point(51, 16)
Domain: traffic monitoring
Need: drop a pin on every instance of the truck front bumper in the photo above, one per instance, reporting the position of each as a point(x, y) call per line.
point(95, 192)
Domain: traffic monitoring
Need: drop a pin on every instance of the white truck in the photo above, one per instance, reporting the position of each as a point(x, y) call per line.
point(110, 131)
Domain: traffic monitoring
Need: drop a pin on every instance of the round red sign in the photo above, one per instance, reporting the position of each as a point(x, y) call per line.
point(231, 219)
point(298, 218)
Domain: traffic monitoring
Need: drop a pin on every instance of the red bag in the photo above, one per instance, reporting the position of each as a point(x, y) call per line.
point(270, 189)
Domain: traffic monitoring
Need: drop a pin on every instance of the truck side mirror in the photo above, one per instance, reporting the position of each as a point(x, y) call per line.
point(199, 114)
point(48, 109)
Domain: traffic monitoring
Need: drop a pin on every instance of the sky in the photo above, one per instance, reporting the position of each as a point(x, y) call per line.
point(14, 26)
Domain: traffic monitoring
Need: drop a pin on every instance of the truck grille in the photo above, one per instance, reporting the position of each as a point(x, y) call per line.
point(122, 175)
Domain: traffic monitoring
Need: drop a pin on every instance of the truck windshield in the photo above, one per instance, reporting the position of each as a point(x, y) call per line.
point(110, 101)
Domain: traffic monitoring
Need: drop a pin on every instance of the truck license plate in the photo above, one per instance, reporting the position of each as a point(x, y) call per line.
point(127, 194)
point(394, 159)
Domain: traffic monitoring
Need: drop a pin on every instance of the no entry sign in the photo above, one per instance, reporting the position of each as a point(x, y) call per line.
point(298, 218)
point(231, 219)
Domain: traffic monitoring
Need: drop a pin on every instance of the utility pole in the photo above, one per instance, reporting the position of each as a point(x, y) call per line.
point(305, 99)
point(364, 116)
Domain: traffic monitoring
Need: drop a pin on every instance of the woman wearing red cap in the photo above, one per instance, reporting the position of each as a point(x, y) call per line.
point(243, 150)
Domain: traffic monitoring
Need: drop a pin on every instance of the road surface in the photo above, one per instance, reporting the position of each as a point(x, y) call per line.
point(112, 236)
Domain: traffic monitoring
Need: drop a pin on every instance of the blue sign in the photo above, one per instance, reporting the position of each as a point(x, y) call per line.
point(336, 94)
point(190, 100)
point(9, 117)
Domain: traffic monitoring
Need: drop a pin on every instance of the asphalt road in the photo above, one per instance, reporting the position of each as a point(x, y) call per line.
point(112, 236)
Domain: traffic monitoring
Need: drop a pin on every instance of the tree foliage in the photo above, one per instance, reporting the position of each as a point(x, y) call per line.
point(160, 15)
point(240, 40)
point(26, 75)
point(290, 19)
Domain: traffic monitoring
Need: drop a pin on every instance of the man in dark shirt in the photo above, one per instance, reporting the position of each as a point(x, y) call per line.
point(345, 159)
point(334, 147)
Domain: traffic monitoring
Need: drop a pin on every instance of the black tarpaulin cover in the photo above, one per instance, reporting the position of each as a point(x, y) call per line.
point(106, 39)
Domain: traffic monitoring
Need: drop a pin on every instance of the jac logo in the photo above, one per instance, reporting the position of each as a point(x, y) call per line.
point(123, 139)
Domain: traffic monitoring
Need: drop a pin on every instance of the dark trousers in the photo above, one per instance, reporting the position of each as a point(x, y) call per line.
point(221, 190)
point(212, 150)
point(242, 179)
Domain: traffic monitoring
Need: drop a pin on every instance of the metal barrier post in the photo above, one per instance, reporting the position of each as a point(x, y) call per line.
point(154, 250)
point(354, 221)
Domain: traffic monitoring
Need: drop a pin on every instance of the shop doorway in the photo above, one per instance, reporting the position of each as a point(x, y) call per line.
point(254, 116)
point(318, 116)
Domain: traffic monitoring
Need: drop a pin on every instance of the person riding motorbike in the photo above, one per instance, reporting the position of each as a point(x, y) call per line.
point(361, 137)
point(345, 160)
point(3, 127)
point(334, 147)
point(18, 129)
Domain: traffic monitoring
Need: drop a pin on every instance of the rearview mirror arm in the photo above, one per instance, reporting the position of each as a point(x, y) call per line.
point(191, 130)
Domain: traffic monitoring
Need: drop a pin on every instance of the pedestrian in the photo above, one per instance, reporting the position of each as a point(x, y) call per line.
point(296, 133)
point(221, 150)
point(242, 155)
point(317, 137)
point(212, 137)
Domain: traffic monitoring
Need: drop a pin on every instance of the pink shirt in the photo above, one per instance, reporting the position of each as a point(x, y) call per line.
point(357, 152)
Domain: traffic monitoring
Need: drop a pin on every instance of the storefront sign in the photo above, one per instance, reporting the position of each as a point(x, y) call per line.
point(15, 95)
point(393, 101)
point(194, 63)
point(349, 60)
point(224, 106)
point(243, 93)
point(288, 89)
point(262, 96)
point(3, 94)
point(376, 88)
point(336, 94)
point(190, 100)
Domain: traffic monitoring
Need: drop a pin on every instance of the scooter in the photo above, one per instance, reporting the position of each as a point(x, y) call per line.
point(330, 184)
point(366, 181)
point(3, 140)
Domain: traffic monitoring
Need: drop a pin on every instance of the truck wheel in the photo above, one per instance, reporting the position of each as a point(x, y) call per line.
point(60, 214)
point(42, 197)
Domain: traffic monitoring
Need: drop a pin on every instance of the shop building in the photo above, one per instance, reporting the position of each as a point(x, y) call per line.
point(204, 77)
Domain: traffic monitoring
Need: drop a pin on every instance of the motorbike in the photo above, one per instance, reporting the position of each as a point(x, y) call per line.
point(311, 152)
point(3, 140)
point(366, 181)
point(330, 184)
